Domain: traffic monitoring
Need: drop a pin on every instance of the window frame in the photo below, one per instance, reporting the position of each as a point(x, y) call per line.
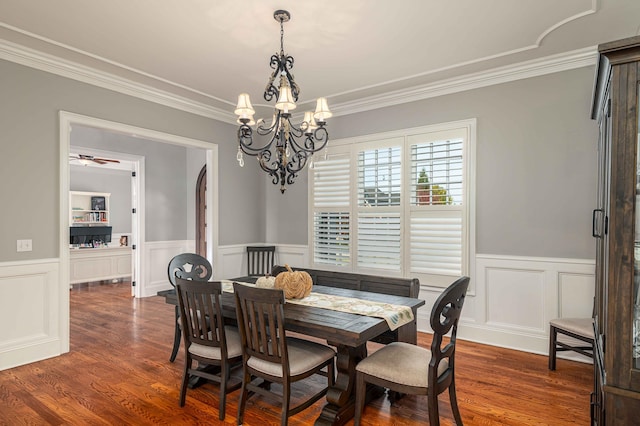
point(353, 146)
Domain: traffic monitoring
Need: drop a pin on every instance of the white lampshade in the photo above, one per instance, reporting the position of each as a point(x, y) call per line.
point(244, 107)
point(285, 100)
point(322, 110)
point(311, 124)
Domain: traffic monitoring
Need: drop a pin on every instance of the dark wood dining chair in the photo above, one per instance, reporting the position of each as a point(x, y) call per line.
point(410, 369)
point(270, 355)
point(188, 266)
point(207, 341)
point(580, 329)
point(260, 260)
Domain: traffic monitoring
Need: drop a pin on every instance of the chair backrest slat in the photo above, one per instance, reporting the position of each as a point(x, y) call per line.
point(260, 259)
point(260, 313)
point(201, 311)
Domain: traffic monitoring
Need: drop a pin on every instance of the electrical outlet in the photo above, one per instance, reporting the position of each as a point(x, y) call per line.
point(24, 245)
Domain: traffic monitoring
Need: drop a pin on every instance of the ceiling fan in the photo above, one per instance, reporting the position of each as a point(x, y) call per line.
point(88, 159)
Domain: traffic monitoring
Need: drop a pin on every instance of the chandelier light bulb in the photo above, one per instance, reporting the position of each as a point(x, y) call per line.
point(285, 100)
point(309, 123)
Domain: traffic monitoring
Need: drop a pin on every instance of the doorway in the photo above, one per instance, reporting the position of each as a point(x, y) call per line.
point(67, 122)
point(121, 176)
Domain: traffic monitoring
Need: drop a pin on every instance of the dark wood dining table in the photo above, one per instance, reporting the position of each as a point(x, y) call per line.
point(347, 332)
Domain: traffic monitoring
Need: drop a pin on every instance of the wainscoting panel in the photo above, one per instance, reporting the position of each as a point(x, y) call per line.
point(575, 293)
point(158, 254)
point(31, 302)
point(516, 297)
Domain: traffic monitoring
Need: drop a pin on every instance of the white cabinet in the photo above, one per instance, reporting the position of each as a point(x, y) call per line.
point(99, 264)
point(88, 208)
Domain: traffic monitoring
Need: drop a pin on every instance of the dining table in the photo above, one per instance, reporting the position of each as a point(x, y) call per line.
point(347, 332)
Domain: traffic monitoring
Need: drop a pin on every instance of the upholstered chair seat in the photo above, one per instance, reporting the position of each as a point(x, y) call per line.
point(413, 359)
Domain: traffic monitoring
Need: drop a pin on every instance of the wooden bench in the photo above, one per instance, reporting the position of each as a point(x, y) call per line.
point(406, 287)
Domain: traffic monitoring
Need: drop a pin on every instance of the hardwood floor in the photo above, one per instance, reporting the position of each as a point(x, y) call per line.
point(118, 373)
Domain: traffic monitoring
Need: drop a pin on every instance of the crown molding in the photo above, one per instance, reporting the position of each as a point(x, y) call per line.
point(44, 62)
point(55, 65)
point(523, 70)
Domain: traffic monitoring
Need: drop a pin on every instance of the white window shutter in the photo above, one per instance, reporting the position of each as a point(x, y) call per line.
point(331, 211)
point(379, 241)
point(436, 242)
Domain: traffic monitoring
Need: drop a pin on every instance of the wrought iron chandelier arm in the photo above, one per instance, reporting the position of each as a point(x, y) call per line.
point(245, 139)
point(271, 92)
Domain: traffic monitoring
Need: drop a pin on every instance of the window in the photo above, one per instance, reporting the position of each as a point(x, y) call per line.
point(331, 215)
point(397, 204)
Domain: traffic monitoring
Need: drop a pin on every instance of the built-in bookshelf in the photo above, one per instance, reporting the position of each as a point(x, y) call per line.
point(88, 208)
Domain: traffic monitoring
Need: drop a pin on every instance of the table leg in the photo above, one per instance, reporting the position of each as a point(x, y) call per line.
point(408, 333)
point(341, 396)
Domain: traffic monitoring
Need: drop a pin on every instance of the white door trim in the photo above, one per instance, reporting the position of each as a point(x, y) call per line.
point(67, 121)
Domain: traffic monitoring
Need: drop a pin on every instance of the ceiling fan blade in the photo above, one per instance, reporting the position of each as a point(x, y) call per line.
point(105, 160)
point(99, 161)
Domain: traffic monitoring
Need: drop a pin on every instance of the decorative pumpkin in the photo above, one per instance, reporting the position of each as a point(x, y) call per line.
point(266, 282)
point(296, 284)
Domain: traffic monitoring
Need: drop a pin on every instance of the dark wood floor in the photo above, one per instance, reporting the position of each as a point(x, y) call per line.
point(118, 373)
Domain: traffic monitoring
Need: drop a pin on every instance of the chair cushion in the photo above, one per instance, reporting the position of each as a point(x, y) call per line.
point(580, 326)
point(234, 346)
point(304, 355)
point(401, 363)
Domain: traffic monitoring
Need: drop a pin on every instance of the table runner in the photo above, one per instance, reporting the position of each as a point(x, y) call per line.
point(395, 315)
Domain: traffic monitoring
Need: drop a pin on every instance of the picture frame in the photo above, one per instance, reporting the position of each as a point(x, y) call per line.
point(98, 203)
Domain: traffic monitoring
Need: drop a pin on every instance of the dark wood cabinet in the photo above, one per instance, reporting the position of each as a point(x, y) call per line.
point(616, 227)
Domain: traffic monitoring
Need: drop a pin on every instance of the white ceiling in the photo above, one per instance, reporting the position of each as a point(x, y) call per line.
point(209, 51)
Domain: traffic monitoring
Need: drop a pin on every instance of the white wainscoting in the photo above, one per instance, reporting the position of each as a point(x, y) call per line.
point(158, 254)
point(510, 305)
point(35, 325)
point(515, 297)
point(229, 261)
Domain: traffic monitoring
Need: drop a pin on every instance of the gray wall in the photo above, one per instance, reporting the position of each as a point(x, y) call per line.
point(29, 143)
point(166, 184)
point(535, 169)
point(535, 161)
point(115, 182)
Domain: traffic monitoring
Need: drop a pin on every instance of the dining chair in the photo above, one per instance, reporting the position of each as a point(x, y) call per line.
point(580, 329)
point(187, 266)
point(270, 355)
point(260, 260)
point(207, 340)
point(410, 369)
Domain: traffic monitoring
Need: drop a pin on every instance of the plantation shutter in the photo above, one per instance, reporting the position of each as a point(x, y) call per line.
point(437, 243)
point(331, 211)
point(379, 229)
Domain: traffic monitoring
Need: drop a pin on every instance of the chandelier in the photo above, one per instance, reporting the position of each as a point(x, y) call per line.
point(287, 148)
